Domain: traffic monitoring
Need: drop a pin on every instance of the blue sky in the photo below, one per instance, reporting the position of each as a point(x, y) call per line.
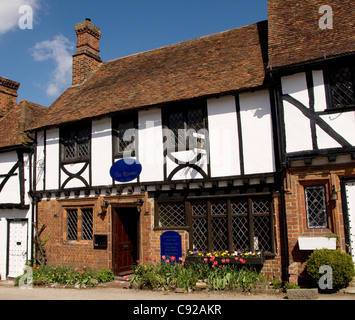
point(40, 58)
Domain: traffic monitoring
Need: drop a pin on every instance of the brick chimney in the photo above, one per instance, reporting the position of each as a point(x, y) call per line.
point(8, 95)
point(86, 58)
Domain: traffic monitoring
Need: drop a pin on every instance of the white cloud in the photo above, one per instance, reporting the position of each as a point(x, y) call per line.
point(9, 13)
point(59, 50)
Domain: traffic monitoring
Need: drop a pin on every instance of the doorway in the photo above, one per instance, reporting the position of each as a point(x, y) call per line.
point(125, 231)
point(17, 247)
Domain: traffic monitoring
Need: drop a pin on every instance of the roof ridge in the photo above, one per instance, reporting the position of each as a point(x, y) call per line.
point(180, 43)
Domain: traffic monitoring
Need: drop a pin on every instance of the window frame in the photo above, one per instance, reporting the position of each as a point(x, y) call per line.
point(328, 88)
point(325, 202)
point(229, 215)
point(183, 108)
point(79, 224)
point(116, 121)
point(64, 132)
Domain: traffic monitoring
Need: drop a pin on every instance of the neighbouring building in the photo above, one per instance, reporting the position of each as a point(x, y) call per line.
point(245, 137)
point(16, 158)
point(314, 73)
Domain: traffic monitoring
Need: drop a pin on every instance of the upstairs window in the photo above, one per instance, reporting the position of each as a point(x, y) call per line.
point(184, 122)
point(341, 86)
point(75, 143)
point(125, 134)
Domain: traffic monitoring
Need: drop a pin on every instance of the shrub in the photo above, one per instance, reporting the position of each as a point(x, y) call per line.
point(341, 264)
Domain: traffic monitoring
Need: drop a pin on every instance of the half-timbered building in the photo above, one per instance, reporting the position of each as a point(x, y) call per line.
point(312, 62)
point(198, 117)
point(16, 206)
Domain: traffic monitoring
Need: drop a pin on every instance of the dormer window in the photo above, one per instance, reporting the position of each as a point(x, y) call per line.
point(75, 143)
point(341, 92)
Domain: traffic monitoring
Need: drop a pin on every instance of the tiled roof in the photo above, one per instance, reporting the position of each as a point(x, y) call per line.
point(295, 35)
point(16, 121)
point(219, 63)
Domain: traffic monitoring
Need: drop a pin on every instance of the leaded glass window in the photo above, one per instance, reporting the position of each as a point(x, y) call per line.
point(125, 136)
point(316, 208)
point(342, 89)
point(75, 143)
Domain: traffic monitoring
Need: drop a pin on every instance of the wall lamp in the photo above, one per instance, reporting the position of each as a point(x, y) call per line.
point(139, 204)
point(104, 207)
point(334, 194)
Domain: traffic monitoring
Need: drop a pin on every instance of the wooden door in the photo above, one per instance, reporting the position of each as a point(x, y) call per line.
point(125, 231)
point(17, 247)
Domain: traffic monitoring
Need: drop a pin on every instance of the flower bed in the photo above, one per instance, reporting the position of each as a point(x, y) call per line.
point(226, 257)
point(175, 273)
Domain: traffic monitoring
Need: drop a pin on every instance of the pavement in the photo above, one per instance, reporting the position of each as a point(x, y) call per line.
point(114, 291)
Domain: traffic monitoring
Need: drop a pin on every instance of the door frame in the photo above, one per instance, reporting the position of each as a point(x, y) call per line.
point(115, 207)
point(346, 222)
point(9, 220)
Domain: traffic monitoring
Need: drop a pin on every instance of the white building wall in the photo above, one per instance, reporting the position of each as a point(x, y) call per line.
point(298, 132)
point(101, 152)
point(11, 191)
point(257, 132)
point(150, 145)
point(52, 159)
point(40, 161)
point(223, 137)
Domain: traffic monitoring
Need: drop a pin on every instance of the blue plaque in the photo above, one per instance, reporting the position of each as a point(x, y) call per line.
point(170, 245)
point(125, 170)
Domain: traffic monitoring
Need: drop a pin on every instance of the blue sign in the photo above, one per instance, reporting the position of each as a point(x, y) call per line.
point(125, 170)
point(170, 245)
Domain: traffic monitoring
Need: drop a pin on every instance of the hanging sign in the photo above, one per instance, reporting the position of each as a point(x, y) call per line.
point(125, 170)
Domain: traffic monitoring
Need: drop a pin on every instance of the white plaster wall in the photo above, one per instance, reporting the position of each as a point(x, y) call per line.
point(11, 191)
point(27, 168)
point(40, 161)
point(257, 133)
point(297, 129)
point(52, 159)
point(75, 168)
point(297, 126)
point(101, 152)
point(296, 86)
point(150, 145)
point(223, 137)
point(343, 123)
point(188, 172)
point(320, 100)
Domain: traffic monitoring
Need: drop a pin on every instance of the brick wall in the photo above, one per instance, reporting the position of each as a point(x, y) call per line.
point(296, 180)
point(75, 253)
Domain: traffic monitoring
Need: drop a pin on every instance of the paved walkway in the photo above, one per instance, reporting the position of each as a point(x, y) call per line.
point(9, 292)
